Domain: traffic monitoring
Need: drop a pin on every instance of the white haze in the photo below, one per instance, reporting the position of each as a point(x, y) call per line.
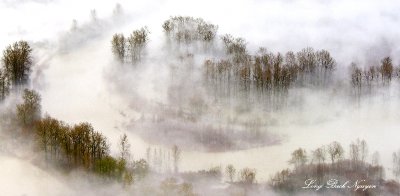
point(72, 72)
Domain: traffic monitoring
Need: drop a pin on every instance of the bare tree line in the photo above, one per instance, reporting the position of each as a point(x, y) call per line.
point(267, 72)
point(164, 160)
point(316, 165)
point(365, 79)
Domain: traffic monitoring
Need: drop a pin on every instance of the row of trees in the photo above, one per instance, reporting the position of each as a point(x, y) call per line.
point(130, 49)
point(315, 166)
point(358, 153)
point(164, 160)
point(245, 176)
point(396, 164)
point(266, 71)
point(171, 186)
point(370, 76)
point(178, 29)
point(4, 85)
point(80, 146)
point(16, 67)
point(76, 146)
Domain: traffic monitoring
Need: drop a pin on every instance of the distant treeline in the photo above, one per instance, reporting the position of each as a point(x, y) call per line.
point(364, 79)
point(265, 71)
point(328, 162)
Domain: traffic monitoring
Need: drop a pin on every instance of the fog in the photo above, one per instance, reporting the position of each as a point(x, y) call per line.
point(80, 81)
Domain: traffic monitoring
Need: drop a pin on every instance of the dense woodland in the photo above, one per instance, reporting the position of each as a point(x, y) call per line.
point(233, 73)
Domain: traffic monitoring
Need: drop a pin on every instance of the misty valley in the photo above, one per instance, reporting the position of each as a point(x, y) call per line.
point(135, 103)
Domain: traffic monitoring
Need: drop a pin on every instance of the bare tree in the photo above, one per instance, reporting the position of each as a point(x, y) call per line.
point(375, 159)
point(292, 64)
point(354, 152)
point(307, 60)
point(148, 154)
point(335, 151)
point(118, 46)
point(140, 169)
point(396, 164)
point(124, 147)
point(230, 171)
point(356, 76)
point(358, 151)
point(4, 85)
point(30, 110)
point(118, 11)
point(280, 178)
point(248, 176)
point(319, 155)
point(176, 155)
point(290, 59)
point(137, 41)
point(325, 60)
point(235, 47)
point(206, 31)
point(363, 150)
point(326, 65)
point(386, 69)
point(299, 158)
